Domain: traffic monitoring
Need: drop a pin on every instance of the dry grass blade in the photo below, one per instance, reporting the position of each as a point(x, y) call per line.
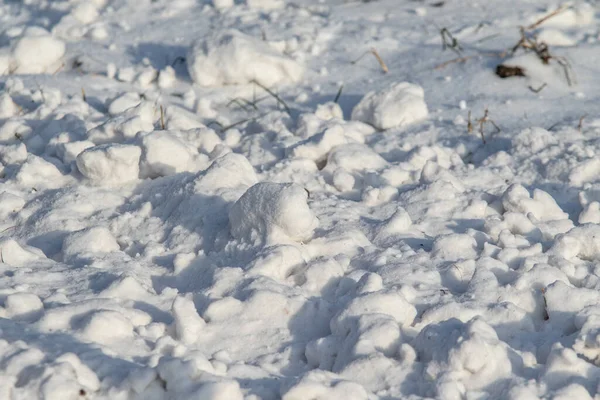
point(450, 42)
point(529, 43)
point(547, 17)
point(339, 94)
point(384, 67)
point(534, 90)
point(453, 61)
point(580, 125)
point(469, 123)
point(243, 104)
point(83, 96)
point(567, 69)
point(374, 52)
point(274, 95)
point(546, 315)
point(162, 118)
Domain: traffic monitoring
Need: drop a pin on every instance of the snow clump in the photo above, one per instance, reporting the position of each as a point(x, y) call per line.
point(232, 57)
point(271, 211)
point(400, 105)
point(37, 52)
point(111, 163)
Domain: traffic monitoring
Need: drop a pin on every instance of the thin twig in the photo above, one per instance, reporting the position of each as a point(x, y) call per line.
point(482, 121)
point(162, 118)
point(83, 96)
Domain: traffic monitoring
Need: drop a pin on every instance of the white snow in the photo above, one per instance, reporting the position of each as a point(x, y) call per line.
point(165, 154)
point(272, 212)
point(399, 105)
point(88, 242)
point(37, 52)
point(276, 199)
point(110, 163)
point(231, 57)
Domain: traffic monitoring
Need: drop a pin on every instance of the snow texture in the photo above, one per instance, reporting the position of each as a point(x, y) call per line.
point(231, 57)
point(223, 200)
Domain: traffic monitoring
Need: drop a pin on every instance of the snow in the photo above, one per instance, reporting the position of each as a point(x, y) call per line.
point(272, 212)
point(399, 105)
point(236, 200)
point(37, 52)
point(231, 57)
point(158, 158)
point(110, 163)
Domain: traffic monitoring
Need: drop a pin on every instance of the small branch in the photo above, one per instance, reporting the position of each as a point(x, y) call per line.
point(481, 122)
point(83, 96)
point(162, 117)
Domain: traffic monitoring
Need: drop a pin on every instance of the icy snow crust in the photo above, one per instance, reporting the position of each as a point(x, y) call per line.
point(186, 212)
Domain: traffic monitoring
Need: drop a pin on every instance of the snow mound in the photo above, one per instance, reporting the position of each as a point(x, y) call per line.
point(17, 255)
point(110, 163)
point(165, 154)
point(265, 4)
point(462, 356)
point(23, 305)
point(89, 241)
point(105, 326)
point(324, 385)
point(582, 241)
point(272, 212)
point(188, 324)
point(400, 105)
point(123, 102)
point(37, 172)
point(555, 37)
point(541, 205)
point(232, 57)
point(37, 52)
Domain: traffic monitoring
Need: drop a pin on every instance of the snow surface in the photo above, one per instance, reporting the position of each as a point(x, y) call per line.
point(218, 199)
